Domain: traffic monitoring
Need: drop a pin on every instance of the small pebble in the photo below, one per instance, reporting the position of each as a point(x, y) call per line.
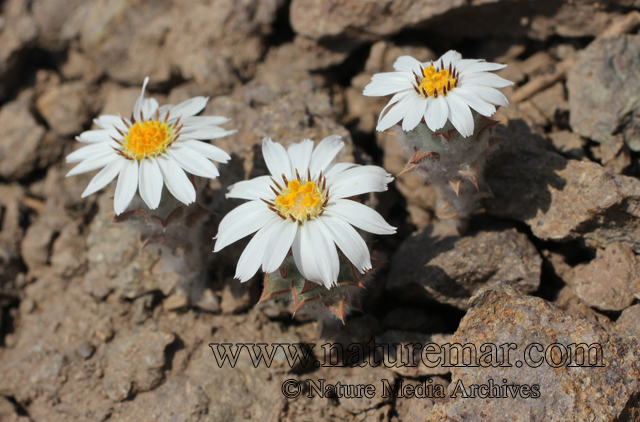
point(86, 350)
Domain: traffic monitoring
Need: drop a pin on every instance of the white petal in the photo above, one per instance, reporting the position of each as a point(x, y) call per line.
point(285, 232)
point(207, 150)
point(388, 83)
point(277, 159)
point(126, 187)
point(460, 115)
point(150, 182)
point(176, 180)
point(491, 95)
point(407, 64)
point(93, 150)
point(187, 108)
point(241, 222)
point(450, 56)
point(162, 111)
point(108, 121)
point(253, 189)
point(315, 256)
point(193, 162)
point(99, 135)
point(397, 112)
point(149, 107)
point(486, 79)
point(324, 253)
point(204, 120)
point(349, 241)
point(475, 102)
point(414, 114)
point(437, 113)
point(138, 105)
point(104, 176)
point(302, 251)
point(324, 154)
point(300, 156)
point(205, 133)
point(250, 260)
point(359, 180)
point(337, 168)
point(94, 163)
point(360, 216)
point(464, 64)
point(247, 211)
point(481, 66)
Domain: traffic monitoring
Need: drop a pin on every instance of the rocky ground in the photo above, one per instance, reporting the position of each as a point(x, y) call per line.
point(91, 326)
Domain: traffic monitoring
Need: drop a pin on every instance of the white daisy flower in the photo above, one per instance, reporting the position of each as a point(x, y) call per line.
point(437, 91)
point(153, 148)
point(302, 207)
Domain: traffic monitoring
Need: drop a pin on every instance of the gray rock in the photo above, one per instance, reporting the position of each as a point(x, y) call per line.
point(603, 86)
point(450, 270)
point(611, 281)
point(20, 138)
point(562, 199)
point(499, 315)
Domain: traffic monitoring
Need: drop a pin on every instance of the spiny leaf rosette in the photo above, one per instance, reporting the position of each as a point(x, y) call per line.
point(158, 147)
point(441, 113)
point(288, 283)
point(302, 209)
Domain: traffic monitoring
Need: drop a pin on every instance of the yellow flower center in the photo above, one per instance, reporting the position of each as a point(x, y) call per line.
point(437, 83)
point(300, 201)
point(147, 139)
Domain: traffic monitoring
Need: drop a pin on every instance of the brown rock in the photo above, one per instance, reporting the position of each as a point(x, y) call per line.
point(602, 86)
point(411, 319)
point(567, 300)
point(499, 315)
point(568, 144)
point(67, 107)
point(359, 22)
point(396, 351)
point(134, 363)
point(20, 138)
point(613, 154)
point(562, 199)
point(236, 297)
point(452, 269)
point(68, 254)
point(37, 243)
point(611, 281)
point(17, 34)
point(551, 101)
point(51, 17)
point(537, 20)
point(79, 66)
point(628, 322)
point(303, 113)
point(414, 408)
point(211, 43)
point(11, 234)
